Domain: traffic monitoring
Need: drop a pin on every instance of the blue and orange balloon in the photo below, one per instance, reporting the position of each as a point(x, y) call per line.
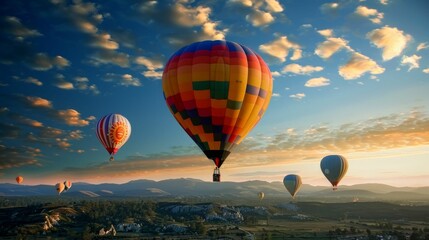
point(217, 91)
point(113, 131)
point(334, 167)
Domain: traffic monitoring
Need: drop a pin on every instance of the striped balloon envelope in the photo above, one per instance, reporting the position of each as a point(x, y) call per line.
point(334, 167)
point(113, 131)
point(292, 183)
point(217, 91)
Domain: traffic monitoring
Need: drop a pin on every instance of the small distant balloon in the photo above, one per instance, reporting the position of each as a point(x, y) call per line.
point(67, 185)
point(19, 179)
point(60, 187)
point(261, 195)
point(113, 131)
point(334, 167)
point(292, 183)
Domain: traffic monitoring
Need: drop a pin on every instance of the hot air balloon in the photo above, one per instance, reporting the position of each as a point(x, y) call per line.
point(19, 179)
point(59, 187)
point(217, 91)
point(292, 183)
point(67, 185)
point(334, 167)
point(113, 131)
point(261, 195)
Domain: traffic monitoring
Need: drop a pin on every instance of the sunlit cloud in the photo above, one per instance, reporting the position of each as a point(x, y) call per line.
point(426, 70)
point(152, 65)
point(301, 70)
point(82, 83)
point(422, 46)
point(372, 14)
point(103, 40)
point(279, 48)
point(42, 62)
point(297, 54)
point(411, 61)
point(332, 45)
point(326, 32)
point(297, 96)
point(317, 82)
point(110, 57)
point(13, 26)
point(261, 12)
point(358, 65)
point(276, 95)
point(14, 157)
point(392, 40)
point(62, 83)
point(330, 8)
point(37, 102)
point(31, 80)
point(384, 2)
point(129, 80)
point(71, 117)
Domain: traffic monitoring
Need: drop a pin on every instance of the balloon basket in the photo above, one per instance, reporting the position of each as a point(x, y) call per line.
point(216, 175)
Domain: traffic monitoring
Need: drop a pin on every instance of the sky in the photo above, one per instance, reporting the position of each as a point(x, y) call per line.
point(350, 78)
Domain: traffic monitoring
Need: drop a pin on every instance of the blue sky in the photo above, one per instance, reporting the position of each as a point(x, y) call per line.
point(350, 78)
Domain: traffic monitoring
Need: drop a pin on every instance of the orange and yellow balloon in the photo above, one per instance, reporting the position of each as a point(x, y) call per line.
point(113, 131)
point(217, 91)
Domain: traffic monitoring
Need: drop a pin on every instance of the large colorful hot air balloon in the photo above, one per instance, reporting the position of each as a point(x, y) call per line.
point(217, 91)
point(113, 131)
point(334, 167)
point(67, 185)
point(261, 195)
point(59, 187)
point(292, 183)
point(19, 179)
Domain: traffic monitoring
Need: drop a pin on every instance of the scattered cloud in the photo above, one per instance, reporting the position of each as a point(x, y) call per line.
point(326, 32)
point(426, 70)
point(111, 57)
point(13, 26)
point(422, 46)
point(103, 40)
point(330, 8)
point(279, 48)
point(276, 95)
point(384, 2)
point(62, 83)
point(317, 82)
point(14, 157)
point(392, 40)
point(123, 80)
point(301, 70)
point(71, 117)
point(372, 14)
point(411, 61)
point(42, 62)
point(332, 45)
point(298, 96)
point(37, 102)
point(358, 65)
point(82, 83)
point(261, 12)
point(152, 66)
point(30, 80)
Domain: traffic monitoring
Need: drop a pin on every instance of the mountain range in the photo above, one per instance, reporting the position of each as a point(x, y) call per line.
point(185, 187)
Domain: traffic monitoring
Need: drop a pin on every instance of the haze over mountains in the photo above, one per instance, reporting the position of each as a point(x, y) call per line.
point(198, 188)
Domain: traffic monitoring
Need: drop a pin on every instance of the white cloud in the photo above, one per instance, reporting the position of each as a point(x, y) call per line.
point(384, 2)
point(329, 8)
point(301, 70)
point(422, 46)
point(326, 32)
point(260, 18)
point(297, 54)
point(391, 40)
point(274, 6)
point(317, 82)
point(150, 64)
point(332, 45)
point(275, 74)
point(190, 17)
point(426, 70)
point(358, 65)
point(298, 96)
point(276, 95)
point(103, 40)
point(411, 61)
point(279, 48)
point(129, 80)
point(372, 14)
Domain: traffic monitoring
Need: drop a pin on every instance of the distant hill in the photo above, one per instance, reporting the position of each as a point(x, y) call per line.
point(186, 187)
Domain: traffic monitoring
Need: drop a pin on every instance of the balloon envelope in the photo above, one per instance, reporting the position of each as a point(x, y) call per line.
point(19, 179)
point(261, 195)
point(334, 167)
point(113, 131)
point(217, 91)
point(292, 183)
point(67, 185)
point(59, 187)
